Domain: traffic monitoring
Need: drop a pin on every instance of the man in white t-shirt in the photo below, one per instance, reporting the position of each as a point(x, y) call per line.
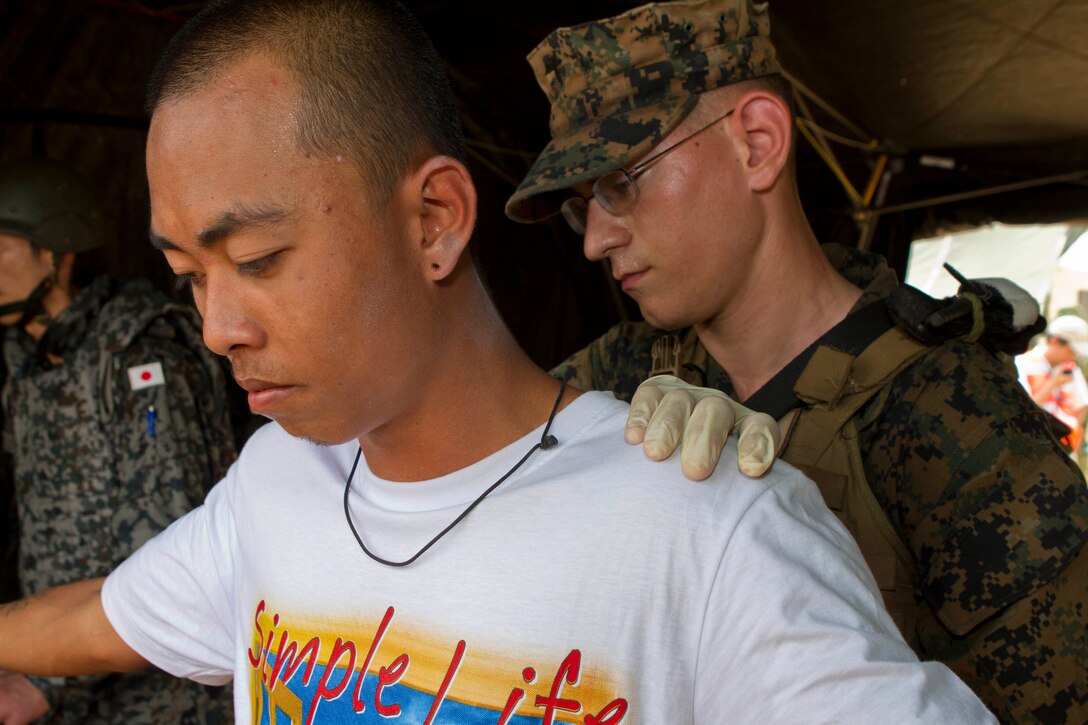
point(1050, 374)
point(433, 529)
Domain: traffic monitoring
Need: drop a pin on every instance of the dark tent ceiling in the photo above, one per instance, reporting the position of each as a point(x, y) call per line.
point(919, 100)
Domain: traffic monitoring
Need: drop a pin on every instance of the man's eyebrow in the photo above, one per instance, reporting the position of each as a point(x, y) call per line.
point(160, 242)
point(237, 219)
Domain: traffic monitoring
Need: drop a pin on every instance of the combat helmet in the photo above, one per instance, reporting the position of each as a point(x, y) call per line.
point(52, 207)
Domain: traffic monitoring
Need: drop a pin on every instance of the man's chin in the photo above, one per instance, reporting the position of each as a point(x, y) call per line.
point(317, 437)
point(663, 320)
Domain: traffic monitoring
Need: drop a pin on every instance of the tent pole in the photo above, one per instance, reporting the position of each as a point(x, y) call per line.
point(990, 191)
point(876, 193)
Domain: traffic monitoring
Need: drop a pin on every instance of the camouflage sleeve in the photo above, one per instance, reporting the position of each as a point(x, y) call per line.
point(618, 361)
point(164, 464)
point(172, 442)
point(996, 515)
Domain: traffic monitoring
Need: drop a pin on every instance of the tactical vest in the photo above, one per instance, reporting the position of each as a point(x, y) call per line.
point(822, 441)
point(817, 395)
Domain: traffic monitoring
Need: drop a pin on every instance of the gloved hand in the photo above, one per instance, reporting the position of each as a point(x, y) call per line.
point(666, 411)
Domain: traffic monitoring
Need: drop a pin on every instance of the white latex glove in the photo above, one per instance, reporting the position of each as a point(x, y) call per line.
point(666, 411)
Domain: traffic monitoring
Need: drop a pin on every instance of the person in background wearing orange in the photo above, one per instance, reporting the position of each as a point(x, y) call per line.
point(1050, 374)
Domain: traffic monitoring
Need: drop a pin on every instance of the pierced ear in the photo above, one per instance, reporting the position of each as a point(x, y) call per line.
point(446, 214)
point(766, 131)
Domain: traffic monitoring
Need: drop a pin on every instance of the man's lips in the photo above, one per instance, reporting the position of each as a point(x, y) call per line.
point(264, 394)
point(256, 385)
point(629, 280)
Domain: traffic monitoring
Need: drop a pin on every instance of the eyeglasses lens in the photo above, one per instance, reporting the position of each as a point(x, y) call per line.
point(616, 192)
point(575, 211)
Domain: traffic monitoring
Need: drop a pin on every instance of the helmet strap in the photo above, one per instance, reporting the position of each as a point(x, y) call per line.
point(32, 306)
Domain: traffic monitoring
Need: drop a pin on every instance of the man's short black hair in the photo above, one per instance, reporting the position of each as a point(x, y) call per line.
point(371, 84)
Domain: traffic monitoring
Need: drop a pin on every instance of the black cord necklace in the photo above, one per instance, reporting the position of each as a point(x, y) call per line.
point(546, 441)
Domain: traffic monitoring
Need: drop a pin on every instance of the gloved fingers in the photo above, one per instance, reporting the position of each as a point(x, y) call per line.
point(643, 404)
point(666, 426)
point(704, 436)
point(757, 447)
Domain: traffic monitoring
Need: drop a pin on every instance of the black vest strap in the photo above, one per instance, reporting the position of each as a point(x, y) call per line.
point(851, 335)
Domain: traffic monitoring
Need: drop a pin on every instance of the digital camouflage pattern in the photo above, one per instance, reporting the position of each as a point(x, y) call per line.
point(619, 85)
point(92, 485)
point(969, 472)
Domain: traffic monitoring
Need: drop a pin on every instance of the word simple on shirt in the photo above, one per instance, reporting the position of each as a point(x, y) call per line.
point(277, 662)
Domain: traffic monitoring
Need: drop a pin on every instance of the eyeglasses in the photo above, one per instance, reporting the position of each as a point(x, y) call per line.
point(616, 191)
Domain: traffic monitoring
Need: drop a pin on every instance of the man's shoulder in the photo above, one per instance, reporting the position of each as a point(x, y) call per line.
point(621, 340)
point(604, 465)
point(965, 377)
point(618, 360)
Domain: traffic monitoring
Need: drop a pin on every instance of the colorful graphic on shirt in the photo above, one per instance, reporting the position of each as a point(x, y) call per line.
point(382, 671)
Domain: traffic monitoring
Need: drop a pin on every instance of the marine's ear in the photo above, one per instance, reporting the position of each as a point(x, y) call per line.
point(762, 125)
point(446, 210)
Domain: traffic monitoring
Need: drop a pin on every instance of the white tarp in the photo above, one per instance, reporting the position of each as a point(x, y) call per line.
point(1027, 255)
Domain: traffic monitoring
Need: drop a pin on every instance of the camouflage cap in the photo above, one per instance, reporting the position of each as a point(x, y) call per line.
point(618, 86)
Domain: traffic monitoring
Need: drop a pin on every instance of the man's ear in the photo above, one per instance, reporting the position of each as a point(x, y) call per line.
point(764, 128)
point(65, 264)
point(446, 209)
point(61, 265)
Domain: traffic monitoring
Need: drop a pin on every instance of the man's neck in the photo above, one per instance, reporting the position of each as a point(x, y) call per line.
point(481, 394)
point(793, 298)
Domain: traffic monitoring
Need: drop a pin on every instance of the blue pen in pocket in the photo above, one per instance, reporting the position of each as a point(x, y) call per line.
point(151, 421)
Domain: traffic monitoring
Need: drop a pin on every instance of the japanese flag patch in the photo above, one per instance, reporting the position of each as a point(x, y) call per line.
point(146, 376)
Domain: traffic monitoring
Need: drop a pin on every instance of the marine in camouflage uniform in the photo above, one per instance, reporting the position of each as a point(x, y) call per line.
point(971, 476)
point(966, 468)
point(97, 474)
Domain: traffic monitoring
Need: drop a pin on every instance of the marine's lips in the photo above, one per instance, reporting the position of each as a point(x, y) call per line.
point(629, 280)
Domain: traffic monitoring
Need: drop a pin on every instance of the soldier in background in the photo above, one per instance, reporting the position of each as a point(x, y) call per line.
point(116, 417)
point(671, 152)
point(9, 526)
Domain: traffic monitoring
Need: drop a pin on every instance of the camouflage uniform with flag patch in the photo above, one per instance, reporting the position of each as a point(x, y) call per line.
point(963, 464)
point(93, 482)
point(970, 474)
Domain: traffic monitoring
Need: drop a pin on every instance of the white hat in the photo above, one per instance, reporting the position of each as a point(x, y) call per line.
point(1073, 330)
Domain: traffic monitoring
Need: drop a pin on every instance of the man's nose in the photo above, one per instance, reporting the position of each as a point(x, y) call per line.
point(604, 233)
point(228, 324)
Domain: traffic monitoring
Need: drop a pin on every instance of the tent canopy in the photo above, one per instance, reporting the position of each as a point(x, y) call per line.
point(926, 99)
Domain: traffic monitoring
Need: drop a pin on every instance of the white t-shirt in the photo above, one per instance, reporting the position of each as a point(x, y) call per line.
point(592, 586)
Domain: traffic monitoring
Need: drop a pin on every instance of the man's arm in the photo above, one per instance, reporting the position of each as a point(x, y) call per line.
point(996, 515)
point(795, 625)
point(63, 632)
